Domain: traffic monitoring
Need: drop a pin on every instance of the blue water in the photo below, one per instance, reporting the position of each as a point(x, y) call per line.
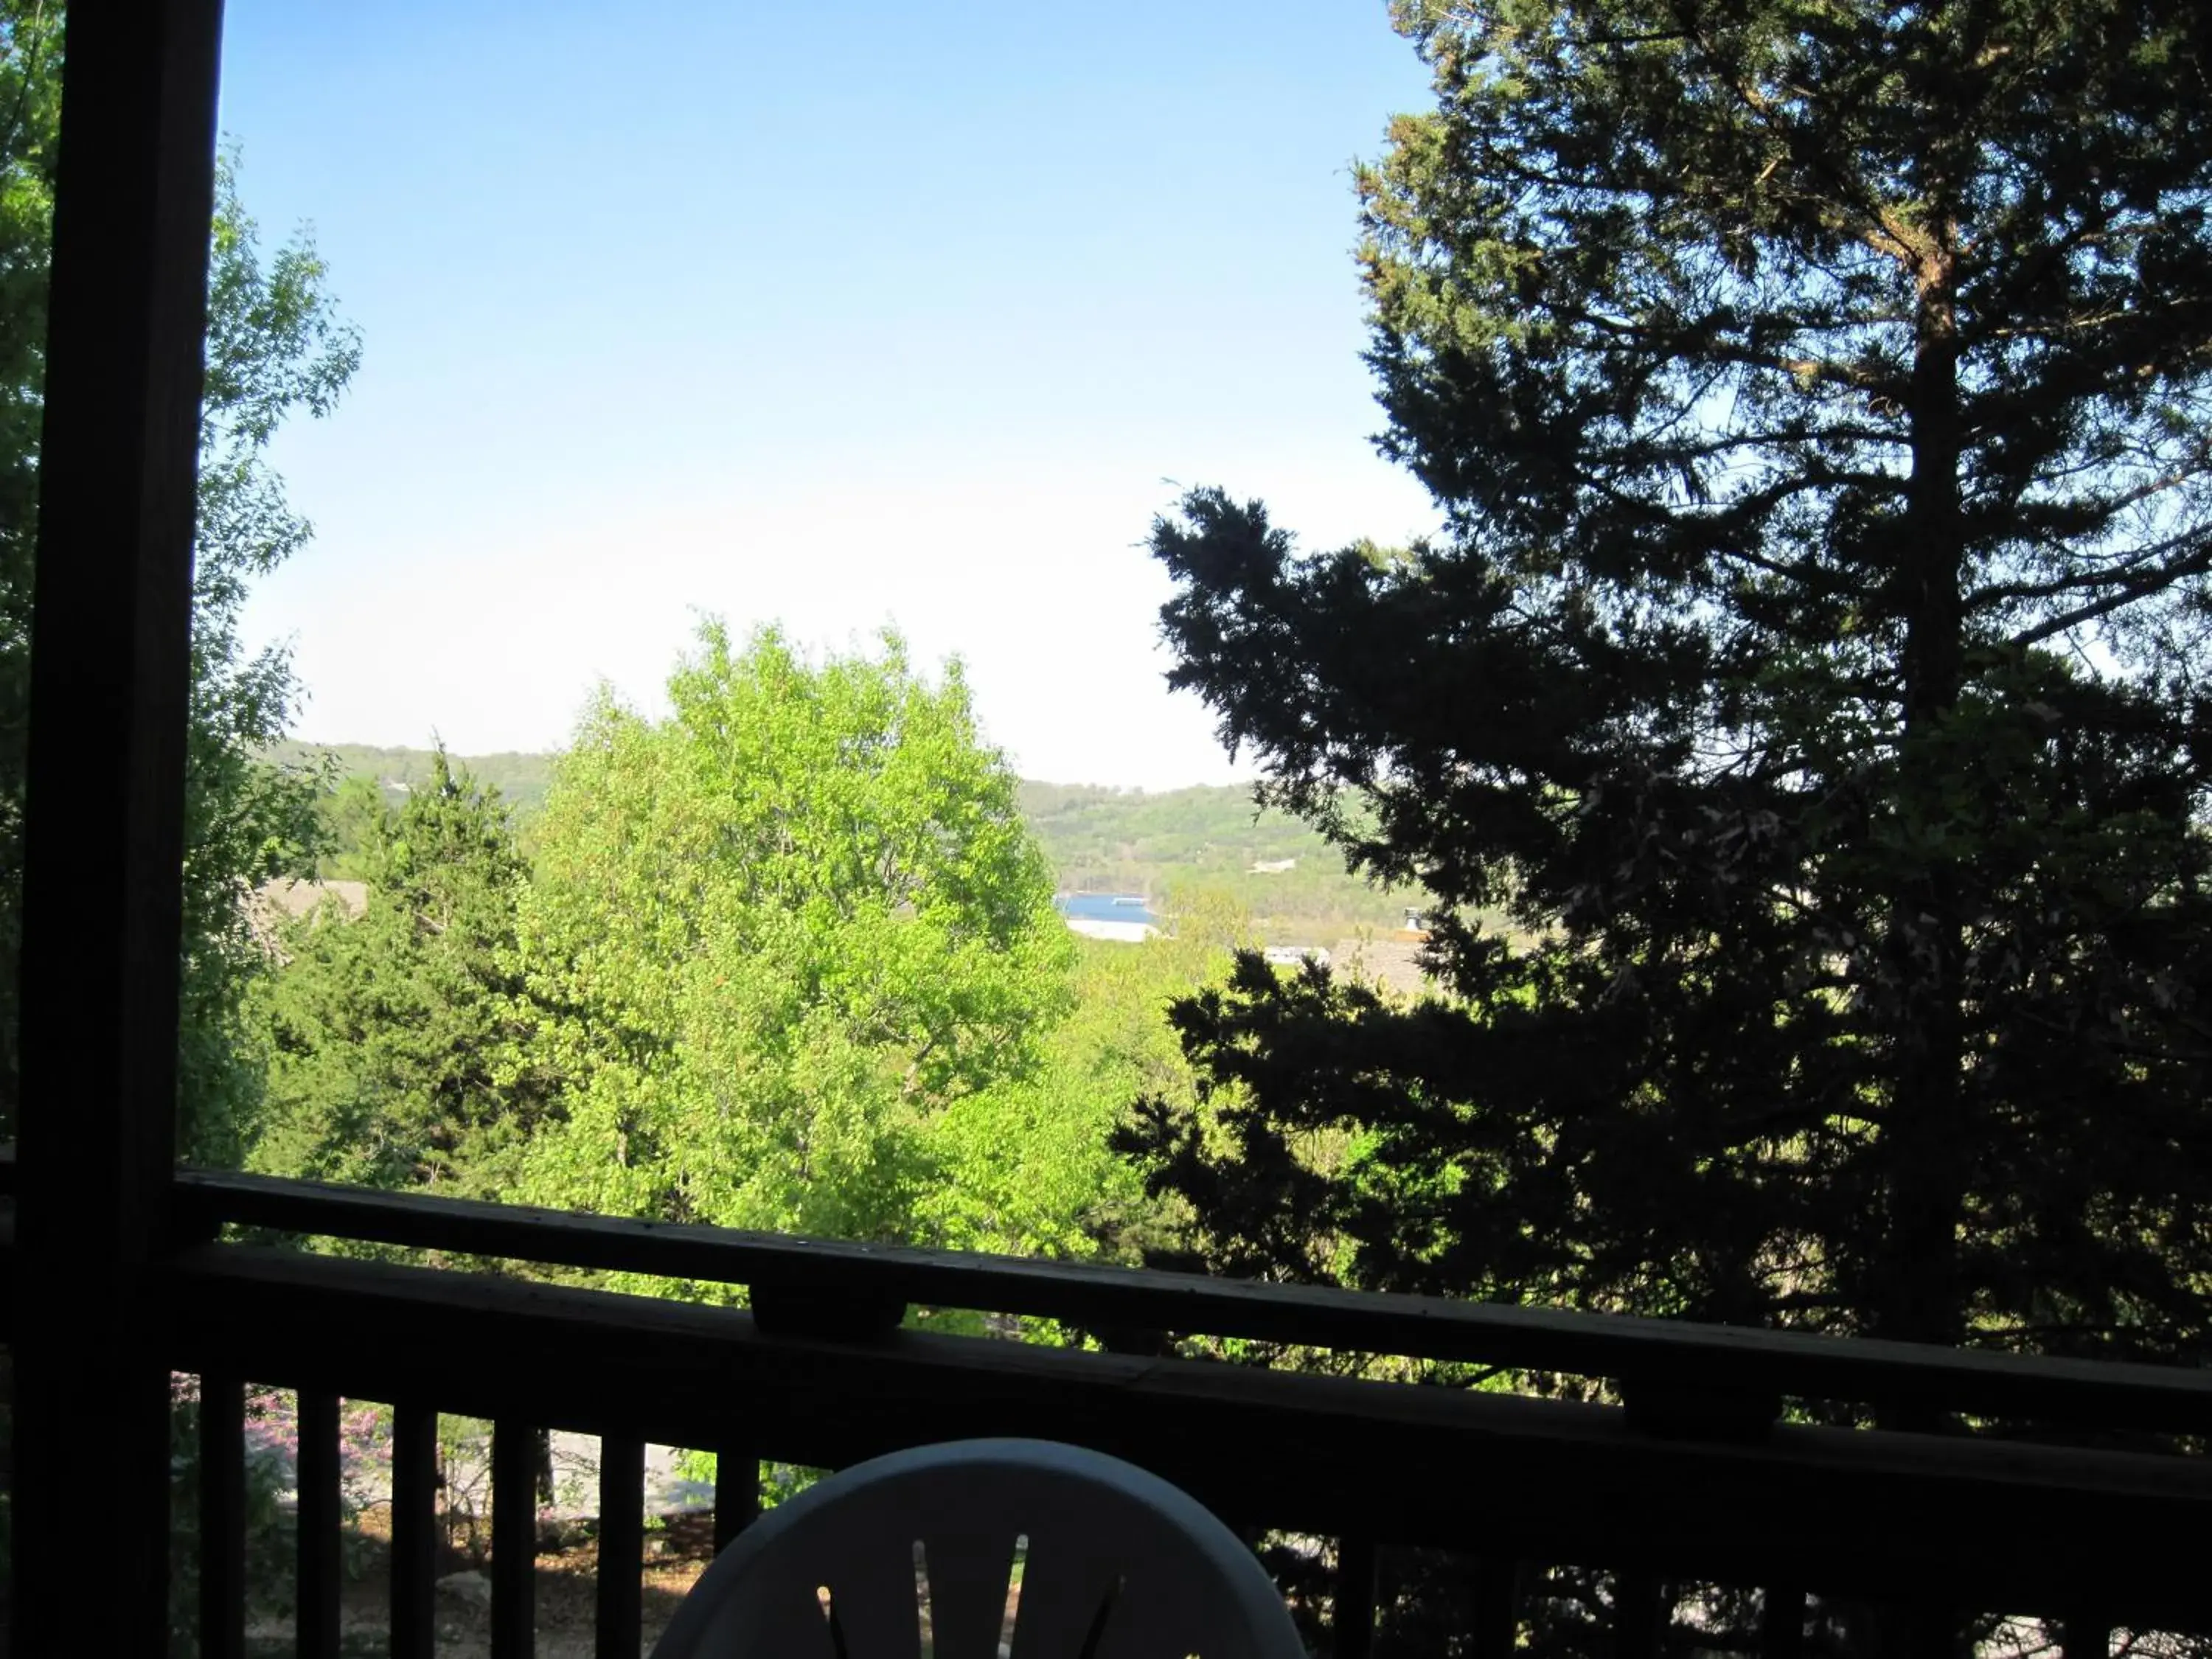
point(1105, 906)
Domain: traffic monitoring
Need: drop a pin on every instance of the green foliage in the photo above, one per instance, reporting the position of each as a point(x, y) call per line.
point(1813, 663)
point(779, 1482)
point(348, 819)
point(30, 100)
point(389, 1041)
point(821, 869)
point(787, 929)
point(274, 347)
point(1026, 1167)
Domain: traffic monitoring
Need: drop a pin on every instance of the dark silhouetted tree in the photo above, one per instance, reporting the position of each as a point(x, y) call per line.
point(1812, 661)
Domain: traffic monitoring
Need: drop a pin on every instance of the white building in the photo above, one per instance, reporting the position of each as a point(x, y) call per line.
point(1121, 932)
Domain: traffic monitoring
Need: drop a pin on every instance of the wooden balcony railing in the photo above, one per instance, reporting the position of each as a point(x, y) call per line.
point(1699, 1477)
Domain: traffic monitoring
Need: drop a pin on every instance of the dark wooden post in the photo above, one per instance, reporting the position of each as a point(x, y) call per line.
point(222, 1518)
point(1496, 1590)
point(2086, 1634)
point(513, 1539)
point(321, 1570)
point(622, 1546)
point(414, 1530)
point(1352, 1611)
point(737, 1491)
point(1635, 1614)
point(1782, 1622)
point(1922, 1627)
point(96, 1135)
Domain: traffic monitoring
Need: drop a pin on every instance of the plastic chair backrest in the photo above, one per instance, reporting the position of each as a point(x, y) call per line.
point(1114, 1563)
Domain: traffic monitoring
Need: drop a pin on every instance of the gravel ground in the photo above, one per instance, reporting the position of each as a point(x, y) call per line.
point(676, 1556)
point(677, 1549)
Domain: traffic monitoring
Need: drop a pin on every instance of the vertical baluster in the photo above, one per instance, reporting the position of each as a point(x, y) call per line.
point(319, 1569)
point(1635, 1614)
point(1917, 1629)
point(1352, 1618)
point(222, 1518)
point(414, 1531)
point(1496, 1597)
point(622, 1546)
point(2085, 1635)
point(737, 1491)
point(513, 1539)
point(1782, 1622)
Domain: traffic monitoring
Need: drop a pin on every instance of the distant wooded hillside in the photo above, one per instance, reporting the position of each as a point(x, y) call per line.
point(1285, 876)
point(1291, 882)
point(521, 779)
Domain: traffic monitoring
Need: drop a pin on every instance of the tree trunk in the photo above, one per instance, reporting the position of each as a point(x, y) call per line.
point(1920, 1298)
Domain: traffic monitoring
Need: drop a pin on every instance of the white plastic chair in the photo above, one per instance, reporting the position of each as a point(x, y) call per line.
point(1114, 1563)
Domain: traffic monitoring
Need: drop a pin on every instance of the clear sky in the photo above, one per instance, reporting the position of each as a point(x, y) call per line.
point(844, 316)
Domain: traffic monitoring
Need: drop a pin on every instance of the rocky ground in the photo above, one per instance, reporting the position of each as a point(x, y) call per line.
point(676, 1553)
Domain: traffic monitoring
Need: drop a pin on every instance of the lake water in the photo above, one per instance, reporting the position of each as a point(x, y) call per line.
point(1105, 906)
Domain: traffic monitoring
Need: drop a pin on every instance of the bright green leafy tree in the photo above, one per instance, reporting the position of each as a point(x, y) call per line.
point(797, 921)
point(1027, 1166)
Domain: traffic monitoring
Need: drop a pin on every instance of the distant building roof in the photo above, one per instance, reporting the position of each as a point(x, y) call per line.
point(1393, 964)
point(268, 907)
point(296, 898)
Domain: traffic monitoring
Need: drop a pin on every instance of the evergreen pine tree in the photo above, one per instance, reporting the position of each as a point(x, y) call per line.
point(391, 1039)
point(1812, 663)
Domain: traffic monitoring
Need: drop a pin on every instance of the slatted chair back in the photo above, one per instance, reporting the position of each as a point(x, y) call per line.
point(986, 1549)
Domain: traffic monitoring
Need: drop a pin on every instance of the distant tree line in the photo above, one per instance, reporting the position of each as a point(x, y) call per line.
point(1160, 844)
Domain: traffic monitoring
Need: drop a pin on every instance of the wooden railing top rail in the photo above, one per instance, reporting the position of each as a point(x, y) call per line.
point(874, 1281)
point(870, 1284)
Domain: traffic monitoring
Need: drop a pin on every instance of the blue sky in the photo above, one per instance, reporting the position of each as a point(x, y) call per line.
point(840, 317)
